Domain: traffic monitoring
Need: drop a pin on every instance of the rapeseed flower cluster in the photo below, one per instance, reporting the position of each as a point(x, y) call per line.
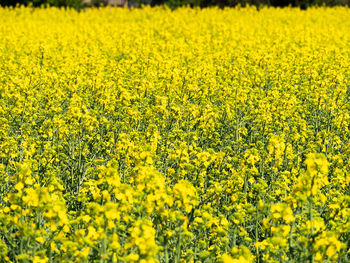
point(151, 135)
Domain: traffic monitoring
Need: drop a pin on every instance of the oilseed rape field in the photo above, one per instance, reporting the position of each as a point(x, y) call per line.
point(194, 135)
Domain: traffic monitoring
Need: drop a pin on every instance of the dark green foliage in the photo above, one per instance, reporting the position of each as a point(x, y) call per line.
point(71, 3)
point(78, 4)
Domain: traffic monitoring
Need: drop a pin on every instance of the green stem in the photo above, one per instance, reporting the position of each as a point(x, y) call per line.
point(178, 249)
point(166, 255)
point(312, 228)
point(257, 231)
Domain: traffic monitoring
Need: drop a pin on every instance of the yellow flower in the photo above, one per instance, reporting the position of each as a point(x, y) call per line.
point(40, 260)
point(19, 186)
point(226, 258)
point(40, 239)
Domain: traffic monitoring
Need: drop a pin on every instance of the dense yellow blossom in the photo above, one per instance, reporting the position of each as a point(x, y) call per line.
point(193, 135)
